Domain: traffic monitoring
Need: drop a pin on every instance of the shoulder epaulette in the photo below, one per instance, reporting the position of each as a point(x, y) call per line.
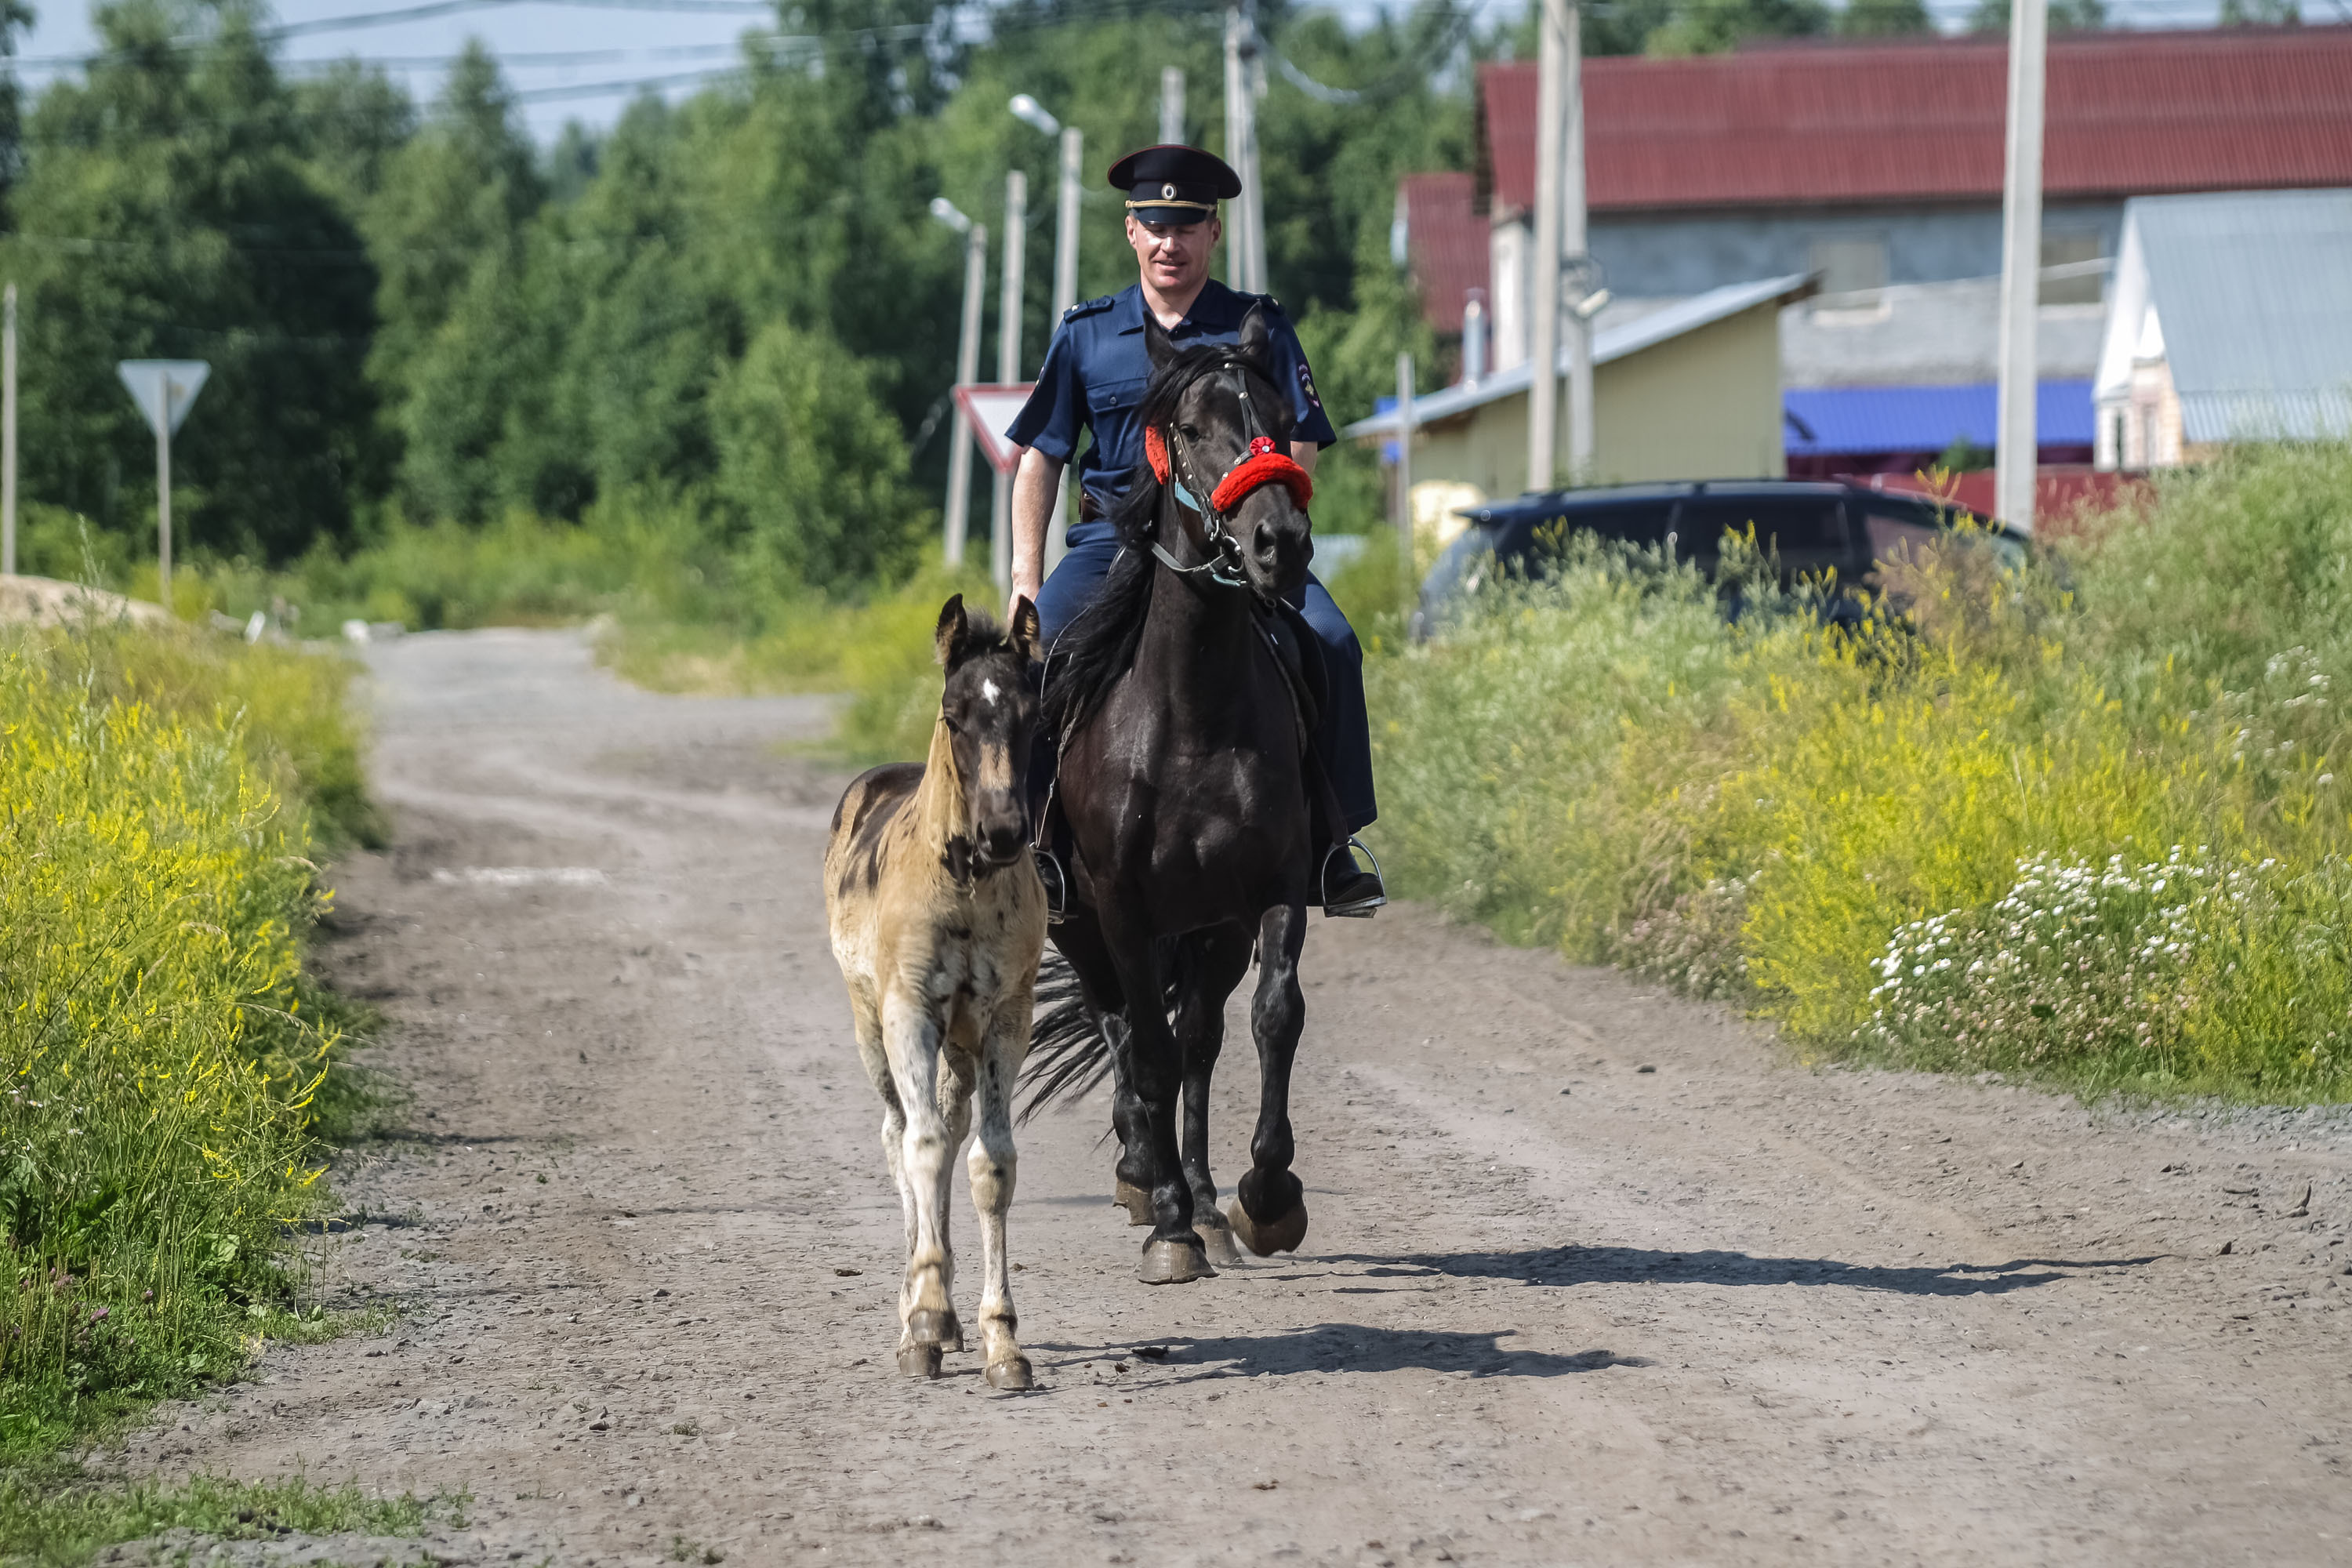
point(1088, 307)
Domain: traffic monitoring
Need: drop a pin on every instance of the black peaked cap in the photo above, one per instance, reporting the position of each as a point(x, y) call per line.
point(1174, 184)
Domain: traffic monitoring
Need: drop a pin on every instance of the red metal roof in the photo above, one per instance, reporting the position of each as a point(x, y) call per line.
point(2129, 114)
point(1446, 242)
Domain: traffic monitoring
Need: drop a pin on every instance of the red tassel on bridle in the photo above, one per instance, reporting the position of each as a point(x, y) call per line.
point(1264, 466)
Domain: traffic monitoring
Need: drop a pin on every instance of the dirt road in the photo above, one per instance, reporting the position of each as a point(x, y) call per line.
point(1594, 1276)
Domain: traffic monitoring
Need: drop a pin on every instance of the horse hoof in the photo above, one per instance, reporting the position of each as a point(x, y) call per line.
point(1217, 1239)
point(1011, 1374)
point(939, 1329)
point(1175, 1263)
point(1135, 1201)
point(1282, 1235)
point(920, 1360)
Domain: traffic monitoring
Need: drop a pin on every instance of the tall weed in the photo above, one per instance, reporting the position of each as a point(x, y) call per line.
point(163, 1055)
point(1959, 835)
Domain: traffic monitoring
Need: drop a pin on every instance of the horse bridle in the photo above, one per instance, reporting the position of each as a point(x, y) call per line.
point(1262, 463)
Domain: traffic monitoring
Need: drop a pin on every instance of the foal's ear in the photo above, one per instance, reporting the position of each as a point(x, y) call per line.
point(1156, 342)
point(1255, 339)
point(947, 642)
point(1025, 628)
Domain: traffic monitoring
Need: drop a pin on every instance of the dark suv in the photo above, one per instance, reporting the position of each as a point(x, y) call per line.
point(1813, 528)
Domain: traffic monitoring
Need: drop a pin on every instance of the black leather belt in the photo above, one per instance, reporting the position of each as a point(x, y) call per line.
point(1089, 509)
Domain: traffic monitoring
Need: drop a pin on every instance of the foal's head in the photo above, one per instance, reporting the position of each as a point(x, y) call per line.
point(1208, 405)
point(989, 712)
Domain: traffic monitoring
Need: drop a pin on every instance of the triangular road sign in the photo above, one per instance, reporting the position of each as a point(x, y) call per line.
point(991, 406)
point(164, 389)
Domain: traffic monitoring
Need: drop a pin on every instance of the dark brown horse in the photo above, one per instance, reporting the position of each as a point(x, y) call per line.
point(1181, 779)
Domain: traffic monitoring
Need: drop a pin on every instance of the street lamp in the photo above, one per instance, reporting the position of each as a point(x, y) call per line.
point(1030, 112)
point(975, 280)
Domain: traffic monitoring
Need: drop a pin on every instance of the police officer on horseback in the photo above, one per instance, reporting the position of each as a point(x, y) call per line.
point(1095, 375)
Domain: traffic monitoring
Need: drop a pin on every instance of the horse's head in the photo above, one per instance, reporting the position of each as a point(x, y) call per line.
point(990, 711)
point(1218, 432)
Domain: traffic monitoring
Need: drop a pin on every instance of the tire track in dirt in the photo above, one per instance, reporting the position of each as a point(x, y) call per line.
point(1728, 1309)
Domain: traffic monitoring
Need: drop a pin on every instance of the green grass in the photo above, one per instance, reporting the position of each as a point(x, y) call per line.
point(171, 1069)
point(57, 1515)
point(1881, 838)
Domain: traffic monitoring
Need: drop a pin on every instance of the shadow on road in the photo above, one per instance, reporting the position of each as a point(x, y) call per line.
point(1353, 1347)
point(1591, 1264)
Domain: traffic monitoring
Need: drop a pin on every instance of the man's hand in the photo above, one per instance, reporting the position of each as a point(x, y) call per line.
point(1034, 484)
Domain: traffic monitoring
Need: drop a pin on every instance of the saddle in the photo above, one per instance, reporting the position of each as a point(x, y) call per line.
point(1300, 659)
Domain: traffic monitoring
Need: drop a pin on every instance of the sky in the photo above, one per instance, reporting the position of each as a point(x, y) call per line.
point(583, 59)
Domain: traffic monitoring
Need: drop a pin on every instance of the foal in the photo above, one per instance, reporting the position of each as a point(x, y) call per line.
point(937, 922)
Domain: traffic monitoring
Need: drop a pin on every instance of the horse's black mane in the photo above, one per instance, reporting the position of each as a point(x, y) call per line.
point(1098, 647)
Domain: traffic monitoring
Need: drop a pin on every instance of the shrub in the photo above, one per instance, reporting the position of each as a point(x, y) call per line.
point(163, 1054)
point(2080, 818)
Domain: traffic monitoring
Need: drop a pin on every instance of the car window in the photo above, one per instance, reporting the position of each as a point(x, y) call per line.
point(1458, 562)
point(1631, 524)
point(1809, 531)
point(1890, 535)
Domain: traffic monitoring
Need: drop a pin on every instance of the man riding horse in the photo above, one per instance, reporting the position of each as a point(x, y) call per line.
point(1095, 375)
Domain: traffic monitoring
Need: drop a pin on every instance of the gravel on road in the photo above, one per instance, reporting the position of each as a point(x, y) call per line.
point(1595, 1276)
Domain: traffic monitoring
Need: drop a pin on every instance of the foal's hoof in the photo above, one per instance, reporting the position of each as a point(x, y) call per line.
point(939, 1330)
point(920, 1360)
point(1217, 1238)
point(1175, 1263)
point(1282, 1235)
point(1135, 1201)
point(1011, 1374)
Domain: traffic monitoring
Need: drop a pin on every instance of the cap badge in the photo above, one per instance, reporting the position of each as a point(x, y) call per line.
point(1168, 192)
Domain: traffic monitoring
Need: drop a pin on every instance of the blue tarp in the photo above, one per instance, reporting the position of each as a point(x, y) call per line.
point(1842, 420)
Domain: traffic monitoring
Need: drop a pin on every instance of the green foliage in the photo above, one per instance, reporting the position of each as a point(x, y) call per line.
point(162, 1051)
point(57, 1515)
point(166, 211)
point(2065, 16)
point(812, 465)
point(734, 312)
point(2095, 832)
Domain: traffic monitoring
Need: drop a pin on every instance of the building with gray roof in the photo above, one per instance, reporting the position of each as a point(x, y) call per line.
point(2229, 319)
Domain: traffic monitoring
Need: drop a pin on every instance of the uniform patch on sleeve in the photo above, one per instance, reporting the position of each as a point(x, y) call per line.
point(1307, 385)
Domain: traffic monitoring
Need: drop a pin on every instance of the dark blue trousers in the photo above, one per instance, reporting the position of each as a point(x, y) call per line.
point(1343, 733)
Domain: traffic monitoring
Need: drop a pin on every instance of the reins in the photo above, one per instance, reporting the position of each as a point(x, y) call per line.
point(1264, 464)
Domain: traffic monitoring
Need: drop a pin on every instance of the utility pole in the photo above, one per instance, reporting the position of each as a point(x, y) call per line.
point(1573, 246)
point(1008, 365)
point(2017, 442)
point(975, 284)
point(1171, 105)
point(1551, 124)
point(1405, 563)
point(1244, 74)
point(8, 432)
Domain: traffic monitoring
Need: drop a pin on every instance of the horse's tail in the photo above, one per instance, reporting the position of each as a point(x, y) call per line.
point(1068, 1052)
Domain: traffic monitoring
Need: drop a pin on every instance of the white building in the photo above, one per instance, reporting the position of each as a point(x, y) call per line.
point(2229, 319)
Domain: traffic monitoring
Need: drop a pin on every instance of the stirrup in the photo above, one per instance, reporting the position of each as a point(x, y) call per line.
point(1354, 908)
point(1057, 886)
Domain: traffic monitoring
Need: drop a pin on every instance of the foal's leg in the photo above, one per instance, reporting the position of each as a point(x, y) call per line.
point(926, 1314)
point(867, 1022)
point(1269, 1212)
point(992, 1165)
point(1214, 962)
point(1151, 1063)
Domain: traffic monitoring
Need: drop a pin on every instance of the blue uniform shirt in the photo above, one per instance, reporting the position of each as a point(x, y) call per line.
point(1096, 368)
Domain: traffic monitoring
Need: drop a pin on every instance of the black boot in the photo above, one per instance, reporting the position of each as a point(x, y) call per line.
point(1350, 890)
point(1058, 885)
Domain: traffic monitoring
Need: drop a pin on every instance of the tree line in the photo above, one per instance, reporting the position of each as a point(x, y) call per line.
point(735, 307)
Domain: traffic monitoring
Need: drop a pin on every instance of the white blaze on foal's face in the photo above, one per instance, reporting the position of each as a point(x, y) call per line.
point(988, 690)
